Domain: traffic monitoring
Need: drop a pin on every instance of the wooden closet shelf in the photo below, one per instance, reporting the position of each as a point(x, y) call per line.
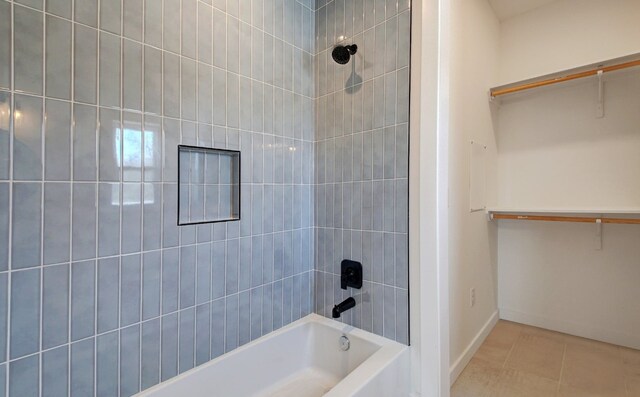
point(613, 216)
point(611, 65)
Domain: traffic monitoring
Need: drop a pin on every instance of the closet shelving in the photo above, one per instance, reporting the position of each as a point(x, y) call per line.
point(578, 215)
point(595, 69)
point(629, 216)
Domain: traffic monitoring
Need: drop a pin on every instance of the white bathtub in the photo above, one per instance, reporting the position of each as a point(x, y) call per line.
point(303, 359)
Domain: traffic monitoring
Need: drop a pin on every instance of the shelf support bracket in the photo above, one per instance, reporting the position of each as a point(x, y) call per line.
point(600, 105)
point(493, 100)
point(597, 241)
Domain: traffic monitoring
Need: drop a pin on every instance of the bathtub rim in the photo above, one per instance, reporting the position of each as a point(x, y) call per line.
point(388, 351)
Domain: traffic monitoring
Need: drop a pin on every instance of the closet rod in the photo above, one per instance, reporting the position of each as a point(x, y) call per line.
point(592, 72)
point(566, 219)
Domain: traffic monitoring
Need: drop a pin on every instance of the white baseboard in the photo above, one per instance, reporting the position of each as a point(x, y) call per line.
point(572, 328)
point(462, 361)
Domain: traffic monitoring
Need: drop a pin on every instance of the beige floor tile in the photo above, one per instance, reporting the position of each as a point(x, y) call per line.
point(633, 387)
point(568, 391)
point(537, 355)
point(557, 336)
point(631, 361)
point(498, 344)
point(594, 366)
point(514, 383)
point(477, 380)
point(505, 332)
point(593, 344)
point(536, 359)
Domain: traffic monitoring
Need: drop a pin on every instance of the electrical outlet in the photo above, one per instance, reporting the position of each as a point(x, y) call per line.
point(472, 297)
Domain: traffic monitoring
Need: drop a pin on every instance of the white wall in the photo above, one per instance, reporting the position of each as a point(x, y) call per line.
point(551, 277)
point(554, 153)
point(567, 34)
point(428, 265)
point(472, 240)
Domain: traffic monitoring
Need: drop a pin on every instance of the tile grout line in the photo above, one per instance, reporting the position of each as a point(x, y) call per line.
point(43, 121)
point(504, 364)
point(564, 354)
point(11, 201)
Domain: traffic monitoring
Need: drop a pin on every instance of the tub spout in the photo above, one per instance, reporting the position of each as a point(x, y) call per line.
point(347, 304)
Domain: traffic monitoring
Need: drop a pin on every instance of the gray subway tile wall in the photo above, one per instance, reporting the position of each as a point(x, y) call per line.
point(361, 161)
point(95, 96)
point(93, 103)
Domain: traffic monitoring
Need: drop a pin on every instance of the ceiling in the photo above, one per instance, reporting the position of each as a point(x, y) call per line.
point(505, 9)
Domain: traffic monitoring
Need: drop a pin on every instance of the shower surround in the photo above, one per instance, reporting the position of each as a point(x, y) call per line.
point(362, 162)
point(101, 293)
point(107, 294)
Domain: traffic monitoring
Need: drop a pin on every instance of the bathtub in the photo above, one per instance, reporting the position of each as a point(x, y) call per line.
point(304, 359)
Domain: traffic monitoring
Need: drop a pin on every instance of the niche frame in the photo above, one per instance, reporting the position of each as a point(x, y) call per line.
point(236, 156)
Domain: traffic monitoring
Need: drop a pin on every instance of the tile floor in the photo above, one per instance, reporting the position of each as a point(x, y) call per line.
point(521, 361)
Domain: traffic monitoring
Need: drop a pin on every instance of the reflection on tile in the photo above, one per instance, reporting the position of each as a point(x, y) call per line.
point(110, 145)
point(152, 149)
point(27, 135)
point(5, 139)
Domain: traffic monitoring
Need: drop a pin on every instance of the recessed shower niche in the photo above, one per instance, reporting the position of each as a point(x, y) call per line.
point(208, 185)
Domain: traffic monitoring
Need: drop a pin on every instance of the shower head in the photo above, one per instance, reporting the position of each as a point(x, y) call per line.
point(341, 54)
